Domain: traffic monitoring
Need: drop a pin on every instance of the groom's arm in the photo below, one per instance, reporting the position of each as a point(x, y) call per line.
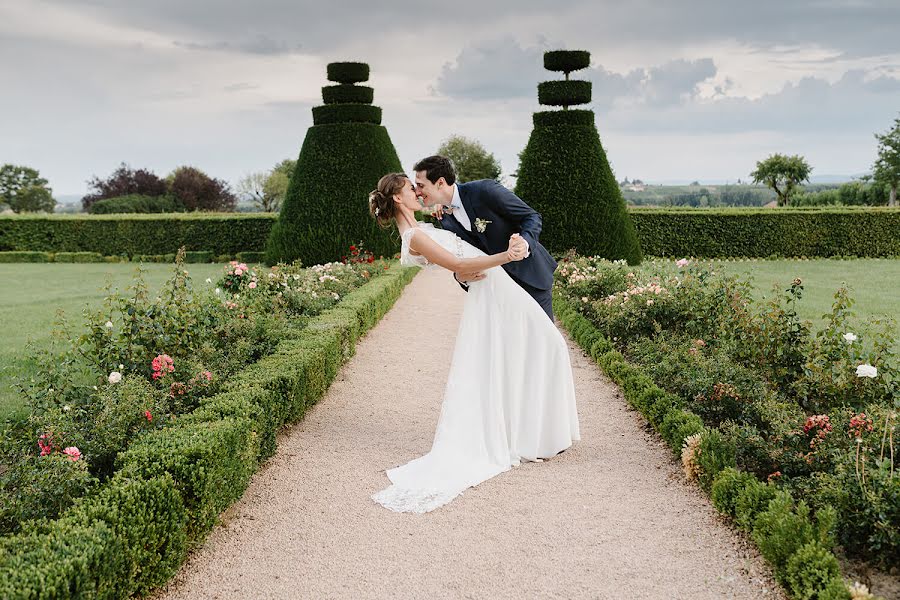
point(506, 203)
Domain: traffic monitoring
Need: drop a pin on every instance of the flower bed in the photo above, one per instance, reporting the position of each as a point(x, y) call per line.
point(792, 433)
point(172, 402)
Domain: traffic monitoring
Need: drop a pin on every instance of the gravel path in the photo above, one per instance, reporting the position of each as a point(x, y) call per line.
point(610, 518)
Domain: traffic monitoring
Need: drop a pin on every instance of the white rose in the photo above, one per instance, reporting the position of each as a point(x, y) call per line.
point(121, 367)
point(208, 280)
point(218, 291)
point(115, 377)
point(67, 408)
point(866, 370)
point(850, 337)
point(109, 325)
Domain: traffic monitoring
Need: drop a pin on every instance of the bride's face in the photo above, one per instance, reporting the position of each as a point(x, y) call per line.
point(407, 197)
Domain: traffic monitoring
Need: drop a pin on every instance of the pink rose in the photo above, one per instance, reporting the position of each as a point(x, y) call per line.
point(252, 285)
point(73, 452)
point(238, 272)
point(682, 262)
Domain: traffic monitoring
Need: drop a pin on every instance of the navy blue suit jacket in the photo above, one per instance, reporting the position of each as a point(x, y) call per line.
point(488, 200)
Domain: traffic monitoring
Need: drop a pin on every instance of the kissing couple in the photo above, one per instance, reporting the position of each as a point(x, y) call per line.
point(509, 395)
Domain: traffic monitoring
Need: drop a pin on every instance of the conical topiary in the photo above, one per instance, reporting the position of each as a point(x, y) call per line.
point(564, 173)
point(344, 154)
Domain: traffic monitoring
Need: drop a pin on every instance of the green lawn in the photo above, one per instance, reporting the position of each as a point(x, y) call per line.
point(34, 292)
point(874, 283)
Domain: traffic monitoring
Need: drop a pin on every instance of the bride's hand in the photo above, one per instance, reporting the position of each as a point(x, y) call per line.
point(517, 248)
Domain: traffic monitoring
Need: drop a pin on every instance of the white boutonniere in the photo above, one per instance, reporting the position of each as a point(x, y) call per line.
point(481, 225)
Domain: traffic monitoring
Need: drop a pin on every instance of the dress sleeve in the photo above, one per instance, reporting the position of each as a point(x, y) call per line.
point(406, 258)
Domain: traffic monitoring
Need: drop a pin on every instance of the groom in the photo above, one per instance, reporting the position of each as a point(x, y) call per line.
point(486, 214)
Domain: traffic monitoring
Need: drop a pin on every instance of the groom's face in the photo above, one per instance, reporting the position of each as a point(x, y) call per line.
point(430, 193)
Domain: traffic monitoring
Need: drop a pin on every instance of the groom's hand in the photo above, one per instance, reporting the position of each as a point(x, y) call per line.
point(437, 211)
point(470, 277)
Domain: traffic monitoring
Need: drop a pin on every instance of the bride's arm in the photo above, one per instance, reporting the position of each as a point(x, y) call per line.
point(422, 244)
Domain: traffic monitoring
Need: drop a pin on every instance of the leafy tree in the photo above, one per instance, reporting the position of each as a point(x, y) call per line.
point(887, 166)
point(267, 190)
point(24, 190)
point(34, 198)
point(470, 158)
point(783, 174)
point(124, 181)
point(198, 191)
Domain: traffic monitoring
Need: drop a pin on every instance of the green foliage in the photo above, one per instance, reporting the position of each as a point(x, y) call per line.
point(77, 257)
point(810, 570)
point(752, 500)
point(17, 256)
point(574, 118)
point(766, 232)
point(583, 210)
point(321, 219)
point(886, 169)
point(727, 487)
point(134, 235)
point(62, 560)
point(346, 113)
point(716, 454)
point(148, 519)
point(136, 203)
point(347, 94)
point(24, 190)
point(785, 527)
point(783, 174)
point(470, 159)
point(124, 181)
point(348, 72)
point(567, 60)
point(677, 425)
point(564, 93)
point(41, 487)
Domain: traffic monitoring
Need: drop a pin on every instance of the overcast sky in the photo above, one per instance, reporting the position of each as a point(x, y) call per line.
point(696, 89)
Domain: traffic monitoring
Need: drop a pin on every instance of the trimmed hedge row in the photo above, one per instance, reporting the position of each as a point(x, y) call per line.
point(564, 93)
point(329, 114)
point(348, 94)
point(768, 232)
point(130, 235)
point(798, 547)
point(662, 232)
point(171, 484)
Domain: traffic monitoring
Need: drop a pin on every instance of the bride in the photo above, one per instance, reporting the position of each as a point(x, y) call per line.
point(509, 396)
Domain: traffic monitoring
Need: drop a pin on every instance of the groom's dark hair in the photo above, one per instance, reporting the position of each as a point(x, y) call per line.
point(435, 167)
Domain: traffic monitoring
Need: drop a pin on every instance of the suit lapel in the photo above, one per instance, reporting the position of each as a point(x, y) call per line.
point(468, 206)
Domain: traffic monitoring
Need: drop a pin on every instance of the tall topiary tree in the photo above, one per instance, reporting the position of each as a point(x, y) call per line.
point(564, 173)
point(344, 154)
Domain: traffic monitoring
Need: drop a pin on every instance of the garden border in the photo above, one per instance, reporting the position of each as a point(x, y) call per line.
point(171, 485)
point(665, 412)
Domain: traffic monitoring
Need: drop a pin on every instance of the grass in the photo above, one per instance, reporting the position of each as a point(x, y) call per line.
point(35, 292)
point(874, 284)
point(29, 304)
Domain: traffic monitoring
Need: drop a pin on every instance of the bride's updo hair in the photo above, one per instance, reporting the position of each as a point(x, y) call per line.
point(381, 199)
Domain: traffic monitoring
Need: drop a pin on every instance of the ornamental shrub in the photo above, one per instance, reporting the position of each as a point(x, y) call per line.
point(136, 203)
point(564, 174)
point(343, 156)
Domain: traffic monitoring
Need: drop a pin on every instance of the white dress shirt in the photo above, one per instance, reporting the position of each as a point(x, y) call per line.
point(458, 211)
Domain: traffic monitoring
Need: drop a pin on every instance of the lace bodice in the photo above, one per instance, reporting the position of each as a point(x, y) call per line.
point(447, 239)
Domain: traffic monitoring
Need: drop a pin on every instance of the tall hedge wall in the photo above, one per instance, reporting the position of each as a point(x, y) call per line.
point(855, 231)
point(768, 232)
point(113, 235)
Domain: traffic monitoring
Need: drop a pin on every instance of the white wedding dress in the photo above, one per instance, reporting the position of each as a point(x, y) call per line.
point(509, 396)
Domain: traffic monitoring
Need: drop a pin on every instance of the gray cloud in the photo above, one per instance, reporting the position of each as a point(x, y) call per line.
point(260, 44)
point(503, 69)
point(855, 28)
